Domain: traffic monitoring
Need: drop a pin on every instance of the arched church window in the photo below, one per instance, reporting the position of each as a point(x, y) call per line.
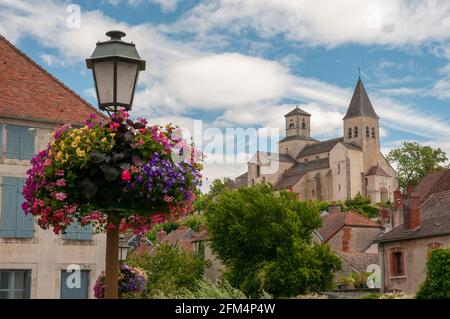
point(339, 168)
point(367, 132)
point(291, 124)
point(258, 170)
point(303, 124)
point(373, 132)
point(349, 132)
point(356, 131)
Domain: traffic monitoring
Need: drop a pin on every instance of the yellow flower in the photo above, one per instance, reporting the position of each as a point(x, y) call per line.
point(80, 152)
point(59, 156)
point(112, 135)
point(72, 135)
point(103, 140)
point(94, 134)
point(74, 144)
point(53, 144)
point(62, 146)
point(77, 139)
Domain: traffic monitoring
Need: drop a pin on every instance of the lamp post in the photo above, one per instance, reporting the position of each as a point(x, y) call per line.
point(123, 250)
point(116, 65)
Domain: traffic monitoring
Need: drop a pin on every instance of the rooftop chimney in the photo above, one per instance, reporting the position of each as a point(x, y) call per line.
point(398, 199)
point(334, 209)
point(410, 188)
point(412, 212)
point(161, 235)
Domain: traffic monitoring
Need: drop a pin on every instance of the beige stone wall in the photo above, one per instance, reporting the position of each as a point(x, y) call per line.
point(415, 258)
point(46, 254)
point(293, 147)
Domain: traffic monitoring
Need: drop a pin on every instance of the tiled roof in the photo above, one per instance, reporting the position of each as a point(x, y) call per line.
point(296, 137)
point(424, 188)
point(359, 261)
point(299, 111)
point(332, 223)
point(288, 181)
point(443, 184)
point(177, 235)
point(360, 104)
point(308, 166)
point(434, 220)
point(320, 147)
point(279, 157)
point(28, 91)
point(376, 170)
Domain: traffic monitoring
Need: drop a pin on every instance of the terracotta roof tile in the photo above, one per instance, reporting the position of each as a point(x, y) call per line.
point(320, 147)
point(28, 91)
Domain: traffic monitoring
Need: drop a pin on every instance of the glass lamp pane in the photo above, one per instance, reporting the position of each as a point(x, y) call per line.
point(126, 77)
point(104, 76)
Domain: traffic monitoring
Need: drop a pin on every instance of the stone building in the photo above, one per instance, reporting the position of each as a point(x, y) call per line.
point(33, 261)
point(334, 169)
point(351, 236)
point(421, 220)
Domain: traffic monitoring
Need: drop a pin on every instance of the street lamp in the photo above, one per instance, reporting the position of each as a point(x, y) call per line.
point(116, 65)
point(123, 250)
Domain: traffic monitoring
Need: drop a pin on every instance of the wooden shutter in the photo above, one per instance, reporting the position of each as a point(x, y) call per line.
point(14, 223)
point(19, 142)
point(77, 232)
point(75, 293)
point(12, 141)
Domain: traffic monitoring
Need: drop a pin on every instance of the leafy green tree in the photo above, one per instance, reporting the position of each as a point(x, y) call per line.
point(414, 161)
point(437, 282)
point(258, 234)
point(169, 270)
point(362, 205)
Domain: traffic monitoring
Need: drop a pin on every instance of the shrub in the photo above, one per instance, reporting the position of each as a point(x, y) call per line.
point(437, 282)
point(206, 289)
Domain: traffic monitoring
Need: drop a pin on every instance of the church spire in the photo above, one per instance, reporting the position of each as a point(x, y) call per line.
point(360, 104)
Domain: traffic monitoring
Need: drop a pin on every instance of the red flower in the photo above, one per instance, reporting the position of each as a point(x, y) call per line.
point(126, 176)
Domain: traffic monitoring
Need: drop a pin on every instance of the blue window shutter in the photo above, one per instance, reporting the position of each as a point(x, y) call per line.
point(75, 293)
point(12, 142)
point(26, 144)
point(71, 232)
point(14, 223)
point(1, 141)
point(77, 232)
point(9, 203)
point(25, 223)
point(19, 142)
point(85, 232)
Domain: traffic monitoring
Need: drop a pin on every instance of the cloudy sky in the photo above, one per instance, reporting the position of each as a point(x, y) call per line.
point(245, 63)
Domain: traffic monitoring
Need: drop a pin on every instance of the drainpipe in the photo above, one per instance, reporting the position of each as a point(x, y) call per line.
point(382, 267)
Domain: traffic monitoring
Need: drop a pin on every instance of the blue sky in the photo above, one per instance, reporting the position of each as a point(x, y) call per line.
point(245, 63)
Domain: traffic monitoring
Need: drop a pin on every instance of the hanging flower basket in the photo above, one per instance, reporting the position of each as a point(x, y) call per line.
point(131, 280)
point(116, 173)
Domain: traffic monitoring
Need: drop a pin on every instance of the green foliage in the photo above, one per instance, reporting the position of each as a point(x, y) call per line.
point(217, 187)
point(191, 221)
point(362, 205)
point(413, 161)
point(206, 289)
point(169, 270)
point(437, 282)
point(264, 240)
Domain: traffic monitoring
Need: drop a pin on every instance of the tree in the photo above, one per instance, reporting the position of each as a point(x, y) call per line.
point(169, 270)
point(437, 282)
point(259, 233)
point(414, 161)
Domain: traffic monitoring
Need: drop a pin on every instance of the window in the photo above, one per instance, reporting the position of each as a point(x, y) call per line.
point(398, 268)
point(312, 192)
point(366, 181)
point(339, 187)
point(13, 222)
point(258, 170)
point(356, 131)
point(15, 284)
point(19, 142)
point(367, 132)
point(339, 169)
point(303, 124)
point(349, 132)
point(373, 132)
point(77, 232)
point(69, 287)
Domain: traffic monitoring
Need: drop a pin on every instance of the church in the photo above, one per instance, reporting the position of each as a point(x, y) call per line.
point(329, 170)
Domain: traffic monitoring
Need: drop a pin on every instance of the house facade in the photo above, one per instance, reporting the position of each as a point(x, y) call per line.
point(330, 170)
point(421, 220)
point(350, 235)
point(33, 261)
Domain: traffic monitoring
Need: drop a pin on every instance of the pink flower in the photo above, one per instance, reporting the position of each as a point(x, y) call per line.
point(61, 182)
point(60, 196)
point(126, 176)
point(113, 126)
